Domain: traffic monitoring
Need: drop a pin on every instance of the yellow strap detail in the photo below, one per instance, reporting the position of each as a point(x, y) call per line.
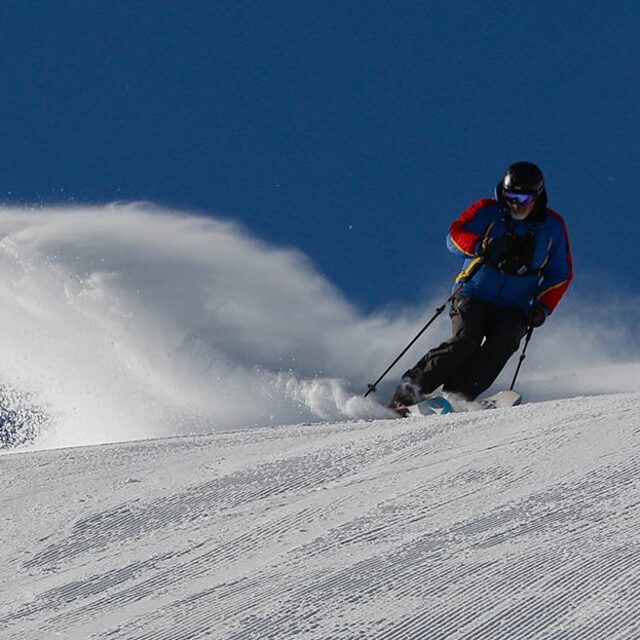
point(465, 272)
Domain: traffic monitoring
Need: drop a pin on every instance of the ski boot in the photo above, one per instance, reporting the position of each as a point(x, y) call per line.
point(407, 393)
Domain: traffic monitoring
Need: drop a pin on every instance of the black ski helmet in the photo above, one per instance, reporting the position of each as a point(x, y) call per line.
point(523, 177)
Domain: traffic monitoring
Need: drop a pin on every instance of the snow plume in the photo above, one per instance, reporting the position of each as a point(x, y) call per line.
point(130, 322)
point(127, 321)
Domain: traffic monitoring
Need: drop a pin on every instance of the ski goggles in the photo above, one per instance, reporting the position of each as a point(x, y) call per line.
point(518, 198)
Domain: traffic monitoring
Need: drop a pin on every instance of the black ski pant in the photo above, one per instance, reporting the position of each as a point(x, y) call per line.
point(485, 336)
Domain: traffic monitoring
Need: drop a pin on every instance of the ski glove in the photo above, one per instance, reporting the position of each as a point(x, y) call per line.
point(495, 250)
point(510, 254)
point(536, 316)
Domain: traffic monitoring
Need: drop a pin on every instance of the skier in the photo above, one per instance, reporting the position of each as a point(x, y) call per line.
point(518, 252)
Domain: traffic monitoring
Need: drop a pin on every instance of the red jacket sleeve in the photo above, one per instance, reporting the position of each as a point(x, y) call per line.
point(468, 230)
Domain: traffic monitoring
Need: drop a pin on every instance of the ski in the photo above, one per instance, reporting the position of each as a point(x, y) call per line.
point(441, 405)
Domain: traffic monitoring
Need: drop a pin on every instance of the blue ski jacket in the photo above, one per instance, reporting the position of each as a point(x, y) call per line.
point(549, 264)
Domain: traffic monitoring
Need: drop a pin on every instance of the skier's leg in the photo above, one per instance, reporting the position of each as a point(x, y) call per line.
point(503, 339)
point(468, 318)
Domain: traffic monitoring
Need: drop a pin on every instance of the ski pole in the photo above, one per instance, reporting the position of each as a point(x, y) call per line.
point(439, 310)
point(472, 271)
point(523, 355)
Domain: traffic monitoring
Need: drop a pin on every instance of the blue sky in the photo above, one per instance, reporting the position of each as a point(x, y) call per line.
point(353, 131)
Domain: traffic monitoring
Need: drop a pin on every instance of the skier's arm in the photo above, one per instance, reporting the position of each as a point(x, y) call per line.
point(558, 272)
point(466, 233)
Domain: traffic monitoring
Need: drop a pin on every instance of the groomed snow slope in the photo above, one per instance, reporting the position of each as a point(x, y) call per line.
point(511, 524)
